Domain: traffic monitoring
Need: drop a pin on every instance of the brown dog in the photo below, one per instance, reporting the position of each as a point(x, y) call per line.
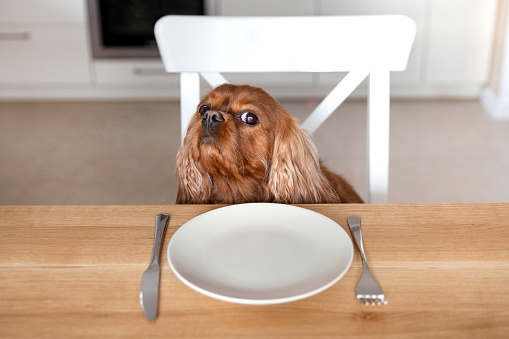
point(243, 146)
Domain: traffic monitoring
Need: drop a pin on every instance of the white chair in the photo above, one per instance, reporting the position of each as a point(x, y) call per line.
point(360, 45)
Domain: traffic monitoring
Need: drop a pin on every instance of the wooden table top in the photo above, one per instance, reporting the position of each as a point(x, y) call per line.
point(74, 271)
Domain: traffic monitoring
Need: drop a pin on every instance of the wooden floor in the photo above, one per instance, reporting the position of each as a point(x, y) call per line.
point(124, 152)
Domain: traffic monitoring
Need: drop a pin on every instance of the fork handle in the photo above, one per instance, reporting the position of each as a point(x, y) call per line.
point(355, 228)
point(161, 220)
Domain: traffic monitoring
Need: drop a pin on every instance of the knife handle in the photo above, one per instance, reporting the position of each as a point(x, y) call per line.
point(161, 221)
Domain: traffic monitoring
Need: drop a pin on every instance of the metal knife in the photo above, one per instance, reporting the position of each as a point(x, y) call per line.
point(149, 292)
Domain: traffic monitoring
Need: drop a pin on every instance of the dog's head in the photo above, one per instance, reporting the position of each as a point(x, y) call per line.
point(243, 146)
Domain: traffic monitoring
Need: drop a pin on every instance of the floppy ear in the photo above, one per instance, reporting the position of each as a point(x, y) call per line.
point(295, 175)
point(194, 185)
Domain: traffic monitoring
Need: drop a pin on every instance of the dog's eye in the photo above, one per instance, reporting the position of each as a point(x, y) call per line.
point(204, 109)
point(249, 118)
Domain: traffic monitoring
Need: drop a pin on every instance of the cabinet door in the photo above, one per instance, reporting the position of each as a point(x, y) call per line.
point(132, 73)
point(51, 56)
point(42, 11)
point(414, 9)
point(460, 39)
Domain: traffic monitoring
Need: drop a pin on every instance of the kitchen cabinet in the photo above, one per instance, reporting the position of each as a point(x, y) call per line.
point(450, 55)
point(132, 72)
point(43, 57)
point(415, 9)
point(42, 12)
point(45, 51)
point(43, 43)
point(460, 37)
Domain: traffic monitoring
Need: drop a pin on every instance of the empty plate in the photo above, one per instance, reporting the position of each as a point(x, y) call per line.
point(260, 253)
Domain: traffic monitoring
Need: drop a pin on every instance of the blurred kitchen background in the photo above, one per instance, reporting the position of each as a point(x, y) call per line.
point(88, 115)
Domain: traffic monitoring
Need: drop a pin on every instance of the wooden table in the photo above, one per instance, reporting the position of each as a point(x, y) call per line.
point(74, 271)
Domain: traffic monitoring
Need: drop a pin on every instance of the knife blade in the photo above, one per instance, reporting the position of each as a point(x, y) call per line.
point(149, 291)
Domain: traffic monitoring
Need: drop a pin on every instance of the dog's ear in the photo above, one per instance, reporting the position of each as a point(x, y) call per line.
point(295, 174)
point(194, 185)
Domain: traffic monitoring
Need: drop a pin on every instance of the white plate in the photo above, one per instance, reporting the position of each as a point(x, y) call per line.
point(260, 253)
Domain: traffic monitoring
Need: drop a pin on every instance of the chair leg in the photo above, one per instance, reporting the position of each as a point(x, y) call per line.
point(378, 136)
point(189, 99)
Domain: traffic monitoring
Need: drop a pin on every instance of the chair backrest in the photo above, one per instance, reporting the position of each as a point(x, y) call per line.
point(279, 44)
point(363, 46)
point(210, 45)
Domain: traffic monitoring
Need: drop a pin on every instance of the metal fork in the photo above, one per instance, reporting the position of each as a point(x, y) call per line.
point(368, 291)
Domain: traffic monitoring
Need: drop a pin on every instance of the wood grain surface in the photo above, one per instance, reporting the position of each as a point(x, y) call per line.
point(74, 271)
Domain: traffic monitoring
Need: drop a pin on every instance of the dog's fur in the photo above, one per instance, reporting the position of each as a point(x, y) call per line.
point(226, 160)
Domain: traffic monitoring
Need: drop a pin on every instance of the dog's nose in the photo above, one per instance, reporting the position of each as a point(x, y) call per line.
point(211, 118)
